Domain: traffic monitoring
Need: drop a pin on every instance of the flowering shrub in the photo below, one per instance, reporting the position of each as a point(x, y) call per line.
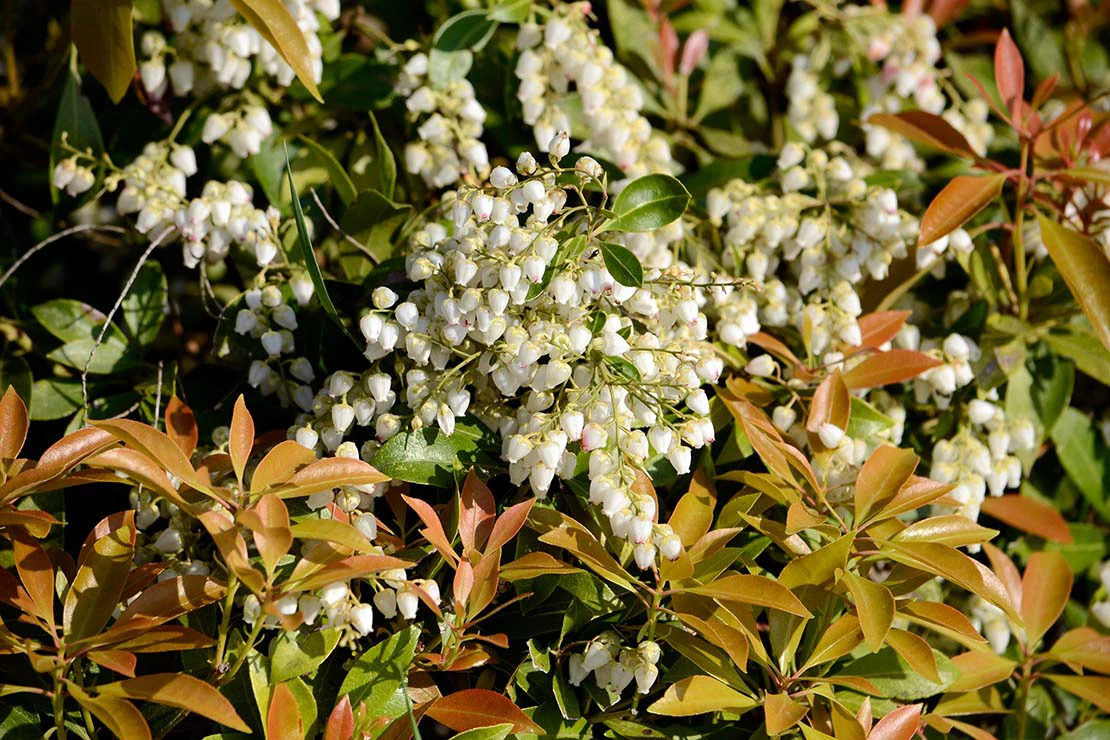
point(547, 369)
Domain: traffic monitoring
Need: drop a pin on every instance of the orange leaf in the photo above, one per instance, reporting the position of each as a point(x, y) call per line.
point(1095, 689)
point(841, 638)
point(181, 426)
point(947, 11)
point(165, 639)
point(13, 426)
point(477, 512)
point(884, 368)
point(925, 128)
point(181, 691)
point(941, 617)
point(876, 329)
point(915, 651)
point(508, 524)
point(120, 661)
point(36, 572)
point(1028, 515)
point(98, 584)
point(956, 567)
point(754, 590)
point(486, 575)
point(341, 721)
point(875, 607)
point(268, 520)
point(119, 716)
point(980, 668)
point(782, 713)
point(957, 203)
point(1083, 648)
point(1006, 571)
point(693, 514)
point(901, 724)
point(280, 464)
point(241, 440)
point(534, 564)
point(831, 404)
point(156, 446)
point(1009, 71)
point(283, 721)
point(433, 529)
point(472, 708)
point(58, 459)
point(1085, 269)
point(329, 473)
point(884, 473)
point(1048, 576)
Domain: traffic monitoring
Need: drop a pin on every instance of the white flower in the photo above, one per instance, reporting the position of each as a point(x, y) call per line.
point(762, 366)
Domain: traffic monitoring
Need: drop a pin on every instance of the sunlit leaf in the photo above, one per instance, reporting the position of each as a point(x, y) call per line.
point(472, 708)
point(1086, 270)
point(101, 29)
point(957, 203)
point(700, 695)
point(273, 21)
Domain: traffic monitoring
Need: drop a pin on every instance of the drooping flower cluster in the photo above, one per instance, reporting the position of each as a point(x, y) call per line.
point(615, 667)
point(450, 122)
point(517, 320)
point(808, 253)
point(564, 66)
point(896, 55)
point(212, 47)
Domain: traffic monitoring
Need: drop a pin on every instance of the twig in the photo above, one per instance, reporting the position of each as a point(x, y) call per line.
point(111, 314)
point(53, 238)
point(158, 397)
point(18, 205)
point(327, 217)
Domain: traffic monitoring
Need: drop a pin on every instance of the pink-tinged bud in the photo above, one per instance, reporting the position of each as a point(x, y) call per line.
point(668, 48)
point(693, 52)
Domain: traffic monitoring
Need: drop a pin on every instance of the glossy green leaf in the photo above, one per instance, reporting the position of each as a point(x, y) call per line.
point(896, 679)
point(146, 304)
point(429, 456)
point(377, 676)
point(296, 653)
point(649, 203)
point(470, 29)
point(1084, 457)
point(622, 264)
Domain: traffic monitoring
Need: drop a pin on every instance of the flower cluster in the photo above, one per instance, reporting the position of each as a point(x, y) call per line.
point(213, 47)
point(564, 66)
point(243, 129)
point(267, 318)
point(615, 667)
point(809, 253)
point(450, 126)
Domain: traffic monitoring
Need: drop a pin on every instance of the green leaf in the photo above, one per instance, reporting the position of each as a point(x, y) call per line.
point(372, 220)
point(337, 176)
point(622, 265)
point(721, 86)
point(445, 67)
point(112, 356)
point(273, 21)
point(308, 256)
point(19, 724)
point(495, 732)
point(1081, 346)
point(16, 373)
point(649, 203)
point(866, 421)
point(565, 697)
point(77, 121)
point(296, 653)
point(387, 164)
point(70, 320)
point(1096, 729)
point(569, 251)
point(470, 29)
point(1042, 44)
point(429, 456)
point(144, 308)
point(1084, 457)
point(511, 11)
point(1085, 269)
point(894, 678)
point(378, 675)
point(55, 398)
point(101, 29)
